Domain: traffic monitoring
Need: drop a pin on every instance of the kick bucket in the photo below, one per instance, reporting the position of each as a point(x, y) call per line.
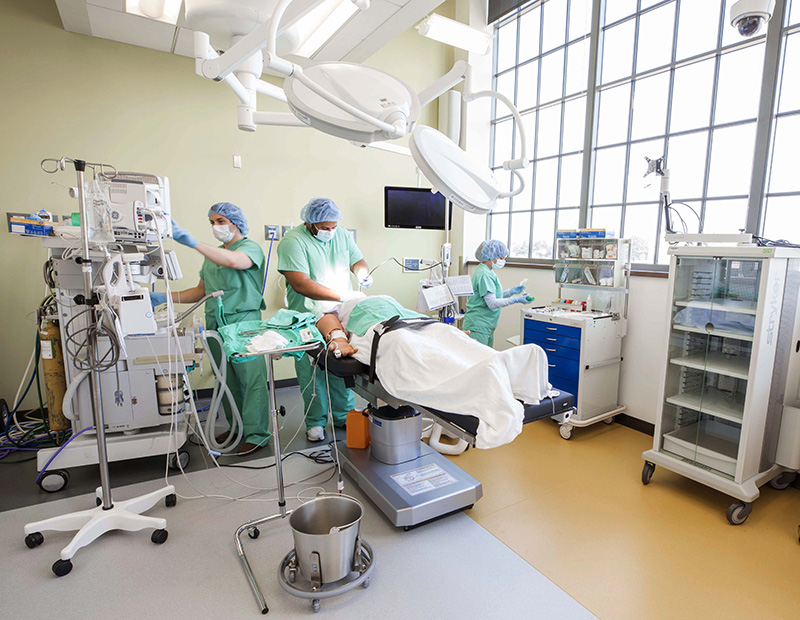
point(325, 531)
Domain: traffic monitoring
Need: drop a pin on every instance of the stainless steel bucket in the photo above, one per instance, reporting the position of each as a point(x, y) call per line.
point(325, 532)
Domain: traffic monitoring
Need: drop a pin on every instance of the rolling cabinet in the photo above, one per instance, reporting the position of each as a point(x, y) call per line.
point(583, 345)
point(733, 312)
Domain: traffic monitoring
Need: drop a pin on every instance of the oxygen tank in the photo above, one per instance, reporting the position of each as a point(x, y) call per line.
point(55, 379)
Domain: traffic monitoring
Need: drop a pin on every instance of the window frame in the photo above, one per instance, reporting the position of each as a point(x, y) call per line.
point(765, 121)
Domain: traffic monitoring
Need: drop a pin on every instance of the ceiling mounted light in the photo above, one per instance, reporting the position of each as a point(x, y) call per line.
point(455, 33)
point(166, 11)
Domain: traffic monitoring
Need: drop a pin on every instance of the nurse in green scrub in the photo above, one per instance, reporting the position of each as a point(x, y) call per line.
point(483, 307)
point(316, 259)
point(237, 268)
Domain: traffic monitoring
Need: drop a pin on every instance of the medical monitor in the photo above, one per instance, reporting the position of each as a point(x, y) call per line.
point(414, 207)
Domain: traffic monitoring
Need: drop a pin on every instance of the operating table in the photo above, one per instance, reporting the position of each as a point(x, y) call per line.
point(439, 487)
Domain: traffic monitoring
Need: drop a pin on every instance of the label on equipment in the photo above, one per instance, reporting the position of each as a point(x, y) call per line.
point(306, 335)
point(46, 349)
point(422, 479)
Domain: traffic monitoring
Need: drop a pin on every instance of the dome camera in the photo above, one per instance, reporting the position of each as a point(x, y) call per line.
point(747, 16)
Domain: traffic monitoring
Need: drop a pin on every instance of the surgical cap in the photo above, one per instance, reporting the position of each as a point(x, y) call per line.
point(233, 213)
point(491, 249)
point(320, 210)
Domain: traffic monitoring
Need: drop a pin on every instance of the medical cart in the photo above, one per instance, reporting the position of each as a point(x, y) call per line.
point(581, 332)
point(728, 414)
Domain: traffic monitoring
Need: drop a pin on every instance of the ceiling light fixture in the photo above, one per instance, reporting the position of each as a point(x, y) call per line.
point(317, 27)
point(455, 33)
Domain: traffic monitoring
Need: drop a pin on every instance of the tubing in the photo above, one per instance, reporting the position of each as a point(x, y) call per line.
point(220, 390)
point(70, 394)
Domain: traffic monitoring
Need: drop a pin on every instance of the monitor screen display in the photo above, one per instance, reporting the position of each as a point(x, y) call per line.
point(414, 207)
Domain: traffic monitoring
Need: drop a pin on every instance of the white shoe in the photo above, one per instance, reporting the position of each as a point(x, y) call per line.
point(315, 433)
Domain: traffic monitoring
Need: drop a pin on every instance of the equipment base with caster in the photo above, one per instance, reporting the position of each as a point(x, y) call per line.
point(288, 575)
point(93, 523)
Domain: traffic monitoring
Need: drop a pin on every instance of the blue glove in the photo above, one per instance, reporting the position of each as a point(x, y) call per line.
point(520, 299)
point(514, 291)
point(183, 236)
point(156, 299)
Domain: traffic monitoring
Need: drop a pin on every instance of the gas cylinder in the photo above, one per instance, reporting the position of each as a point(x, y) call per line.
point(55, 380)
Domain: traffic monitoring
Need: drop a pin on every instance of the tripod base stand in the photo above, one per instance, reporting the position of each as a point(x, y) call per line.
point(93, 523)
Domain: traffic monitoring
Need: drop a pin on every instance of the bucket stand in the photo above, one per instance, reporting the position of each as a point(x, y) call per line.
point(315, 589)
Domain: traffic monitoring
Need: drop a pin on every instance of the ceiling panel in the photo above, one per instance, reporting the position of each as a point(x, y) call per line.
point(132, 29)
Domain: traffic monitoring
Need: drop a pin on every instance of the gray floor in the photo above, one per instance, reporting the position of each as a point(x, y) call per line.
point(18, 487)
point(451, 568)
point(445, 569)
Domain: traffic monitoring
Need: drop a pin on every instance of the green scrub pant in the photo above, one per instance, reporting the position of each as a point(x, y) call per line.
point(247, 382)
point(342, 399)
point(484, 336)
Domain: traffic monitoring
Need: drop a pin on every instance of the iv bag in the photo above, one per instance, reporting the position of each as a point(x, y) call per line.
point(98, 214)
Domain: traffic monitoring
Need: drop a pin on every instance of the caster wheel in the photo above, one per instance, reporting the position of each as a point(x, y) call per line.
point(315, 605)
point(254, 533)
point(609, 420)
point(798, 533)
point(783, 481)
point(179, 461)
point(62, 567)
point(170, 500)
point(738, 512)
point(54, 481)
point(159, 537)
point(647, 472)
point(98, 501)
point(565, 430)
point(365, 585)
point(292, 576)
point(34, 540)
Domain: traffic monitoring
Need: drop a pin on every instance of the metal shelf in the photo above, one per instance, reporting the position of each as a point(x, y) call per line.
point(712, 402)
point(725, 305)
point(716, 332)
point(715, 361)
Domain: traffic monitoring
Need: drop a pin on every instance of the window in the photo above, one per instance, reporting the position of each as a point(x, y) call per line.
point(668, 82)
point(782, 216)
point(541, 64)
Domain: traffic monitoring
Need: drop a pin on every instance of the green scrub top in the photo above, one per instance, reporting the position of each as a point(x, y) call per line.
point(326, 263)
point(374, 310)
point(242, 287)
point(479, 316)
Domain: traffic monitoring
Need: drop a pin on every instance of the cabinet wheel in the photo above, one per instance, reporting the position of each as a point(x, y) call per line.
point(647, 472)
point(62, 567)
point(565, 430)
point(159, 537)
point(738, 512)
point(34, 540)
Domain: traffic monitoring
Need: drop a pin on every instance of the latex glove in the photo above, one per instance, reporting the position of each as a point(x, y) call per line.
point(156, 299)
point(516, 290)
point(520, 299)
point(348, 295)
point(183, 236)
point(364, 279)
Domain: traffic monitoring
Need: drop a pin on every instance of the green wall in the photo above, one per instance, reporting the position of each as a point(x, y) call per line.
point(147, 111)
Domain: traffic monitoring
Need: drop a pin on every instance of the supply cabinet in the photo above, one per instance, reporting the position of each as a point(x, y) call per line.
point(583, 357)
point(732, 314)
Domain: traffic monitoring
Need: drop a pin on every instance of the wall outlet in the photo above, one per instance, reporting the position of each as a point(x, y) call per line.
point(285, 229)
point(237, 160)
point(272, 232)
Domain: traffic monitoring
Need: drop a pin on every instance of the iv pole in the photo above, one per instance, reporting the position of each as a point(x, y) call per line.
point(126, 515)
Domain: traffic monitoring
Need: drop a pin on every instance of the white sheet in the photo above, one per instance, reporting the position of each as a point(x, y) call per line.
point(441, 367)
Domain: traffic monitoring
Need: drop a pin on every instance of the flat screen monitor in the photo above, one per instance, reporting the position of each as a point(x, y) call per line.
point(414, 207)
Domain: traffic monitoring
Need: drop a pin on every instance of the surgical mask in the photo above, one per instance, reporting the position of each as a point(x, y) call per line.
point(325, 235)
point(222, 233)
point(501, 262)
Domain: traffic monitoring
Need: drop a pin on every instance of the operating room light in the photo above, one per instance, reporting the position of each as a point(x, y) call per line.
point(455, 33)
point(166, 11)
point(317, 27)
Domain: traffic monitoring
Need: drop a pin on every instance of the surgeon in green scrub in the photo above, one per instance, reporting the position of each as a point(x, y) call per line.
point(237, 268)
point(483, 307)
point(316, 259)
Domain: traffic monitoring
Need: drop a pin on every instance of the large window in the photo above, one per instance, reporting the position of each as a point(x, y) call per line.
point(672, 79)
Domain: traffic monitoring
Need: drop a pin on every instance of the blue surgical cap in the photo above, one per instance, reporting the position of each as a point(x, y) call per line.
point(320, 210)
point(491, 249)
point(233, 213)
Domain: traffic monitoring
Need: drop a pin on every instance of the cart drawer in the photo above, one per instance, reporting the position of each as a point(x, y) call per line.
point(549, 339)
point(553, 328)
point(563, 367)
